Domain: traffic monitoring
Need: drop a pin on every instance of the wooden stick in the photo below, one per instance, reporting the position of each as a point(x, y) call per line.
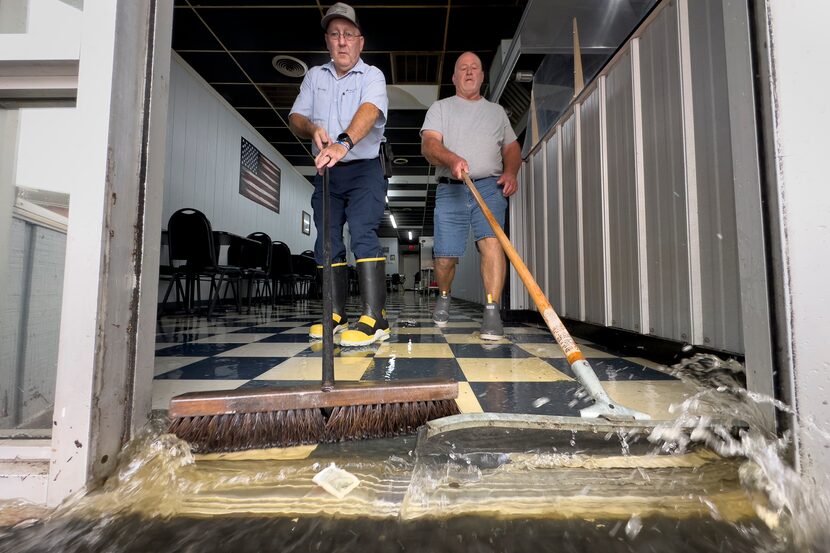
point(579, 82)
point(562, 336)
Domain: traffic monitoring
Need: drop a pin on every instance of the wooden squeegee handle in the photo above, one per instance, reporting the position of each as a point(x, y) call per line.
point(562, 336)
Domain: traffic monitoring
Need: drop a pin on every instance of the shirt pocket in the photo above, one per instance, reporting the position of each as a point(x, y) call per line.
point(348, 102)
point(322, 106)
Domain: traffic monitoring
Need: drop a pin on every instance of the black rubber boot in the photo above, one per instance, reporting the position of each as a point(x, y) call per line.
point(372, 326)
point(339, 285)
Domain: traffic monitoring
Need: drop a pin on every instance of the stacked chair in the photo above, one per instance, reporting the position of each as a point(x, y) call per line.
point(255, 262)
point(283, 277)
point(191, 245)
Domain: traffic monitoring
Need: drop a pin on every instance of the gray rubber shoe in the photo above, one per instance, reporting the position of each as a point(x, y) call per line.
point(491, 328)
point(441, 314)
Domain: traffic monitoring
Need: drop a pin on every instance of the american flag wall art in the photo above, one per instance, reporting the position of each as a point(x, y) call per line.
point(259, 177)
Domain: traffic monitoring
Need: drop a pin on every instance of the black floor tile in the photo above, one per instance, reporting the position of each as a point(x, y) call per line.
point(614, 369)
point(195, 350)
point(387, 368)
point(223, 368)
point(536, 398)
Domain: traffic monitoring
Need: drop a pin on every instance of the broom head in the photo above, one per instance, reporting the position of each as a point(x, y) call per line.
point(254, 418)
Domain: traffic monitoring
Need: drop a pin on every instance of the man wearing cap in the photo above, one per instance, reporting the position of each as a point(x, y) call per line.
point(467, 134)
point(342, 109)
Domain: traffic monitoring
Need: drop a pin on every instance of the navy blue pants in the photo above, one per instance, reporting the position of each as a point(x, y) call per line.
point(357, 196)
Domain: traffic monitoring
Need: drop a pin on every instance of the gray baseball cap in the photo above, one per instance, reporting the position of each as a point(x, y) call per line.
point(340, 10)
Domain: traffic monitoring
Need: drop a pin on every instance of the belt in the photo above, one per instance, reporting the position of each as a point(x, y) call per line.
point(447, 180)
point(352, 162)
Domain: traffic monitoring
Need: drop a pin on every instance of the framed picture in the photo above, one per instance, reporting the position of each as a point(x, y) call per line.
point(306, 223)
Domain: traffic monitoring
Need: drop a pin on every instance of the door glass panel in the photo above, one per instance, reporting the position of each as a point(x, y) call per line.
point(34, 215)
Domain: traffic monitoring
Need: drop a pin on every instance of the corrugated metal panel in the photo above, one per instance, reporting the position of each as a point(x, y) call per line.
point(539, 233)
point(554, 241)
point(527, 221)
point(518, 234)
point(622, 194)
point(529, 197)
point(666, 223)
point(570, 220)
point(720, 284)
point(592, 209)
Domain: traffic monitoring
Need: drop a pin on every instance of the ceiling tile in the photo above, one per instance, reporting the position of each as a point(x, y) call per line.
point(241, 95)
point(276, 29)
point(501, 23)
point(259, 67)
point(189, 33)
point(405, 118)
point(403, 29)
point(215, 67)
point(263, 117)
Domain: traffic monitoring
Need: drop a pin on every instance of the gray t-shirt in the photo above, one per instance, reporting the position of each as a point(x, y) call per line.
point(475, 130)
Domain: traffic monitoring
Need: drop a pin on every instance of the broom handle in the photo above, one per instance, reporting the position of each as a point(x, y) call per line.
point(562, 336)
point(328, 323)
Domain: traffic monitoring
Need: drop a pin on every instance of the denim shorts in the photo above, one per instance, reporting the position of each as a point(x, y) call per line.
point(456, 209)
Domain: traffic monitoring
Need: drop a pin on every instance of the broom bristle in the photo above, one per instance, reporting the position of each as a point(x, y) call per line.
point(243, 431)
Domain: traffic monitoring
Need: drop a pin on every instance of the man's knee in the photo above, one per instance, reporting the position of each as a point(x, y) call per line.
point(489, 246)
point(445, 262)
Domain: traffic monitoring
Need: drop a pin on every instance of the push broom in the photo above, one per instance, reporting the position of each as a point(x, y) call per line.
point(241, 419)
point(603, 406)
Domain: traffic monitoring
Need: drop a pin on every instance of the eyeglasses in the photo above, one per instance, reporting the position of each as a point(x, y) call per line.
point(334, 36)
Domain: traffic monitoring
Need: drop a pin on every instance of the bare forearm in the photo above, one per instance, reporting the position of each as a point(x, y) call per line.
point(512, 158)
point(362, 122)
point(301, 125)
point(436, 153)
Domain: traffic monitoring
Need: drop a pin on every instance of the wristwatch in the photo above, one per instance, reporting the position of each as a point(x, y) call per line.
point(346, 140)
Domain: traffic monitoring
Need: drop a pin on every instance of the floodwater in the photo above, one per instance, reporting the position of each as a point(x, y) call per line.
point(698, 484)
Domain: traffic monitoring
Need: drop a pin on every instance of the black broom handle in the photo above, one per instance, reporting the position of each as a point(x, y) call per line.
point(328, 323)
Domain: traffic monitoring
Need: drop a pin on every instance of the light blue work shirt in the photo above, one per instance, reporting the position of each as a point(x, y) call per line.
point(331, 102)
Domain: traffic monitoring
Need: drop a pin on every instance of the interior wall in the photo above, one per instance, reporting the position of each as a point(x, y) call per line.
point(202, 167)
point(639, 169)
point(390, 250)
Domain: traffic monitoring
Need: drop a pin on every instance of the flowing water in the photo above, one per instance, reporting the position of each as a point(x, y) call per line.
point(698, 484)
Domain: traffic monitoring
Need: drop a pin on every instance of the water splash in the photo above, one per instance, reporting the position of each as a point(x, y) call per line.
point(729, 420)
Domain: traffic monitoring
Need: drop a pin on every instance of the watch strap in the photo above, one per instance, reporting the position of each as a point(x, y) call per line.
point(346, 140)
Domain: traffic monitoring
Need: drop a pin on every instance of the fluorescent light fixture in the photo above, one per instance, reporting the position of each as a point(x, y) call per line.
point(392, 218)
point(410, 235)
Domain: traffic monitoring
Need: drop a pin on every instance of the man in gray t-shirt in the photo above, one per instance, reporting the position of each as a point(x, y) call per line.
point(468, 134)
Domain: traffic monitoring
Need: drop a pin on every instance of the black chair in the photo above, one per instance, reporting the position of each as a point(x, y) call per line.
point(167, 272)
point(397, 281)
point(283, 278)
point(190, 238)
point(305, 270)
point(255, 262)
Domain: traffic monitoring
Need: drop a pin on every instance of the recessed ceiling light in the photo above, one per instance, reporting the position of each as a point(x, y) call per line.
point(289, 66)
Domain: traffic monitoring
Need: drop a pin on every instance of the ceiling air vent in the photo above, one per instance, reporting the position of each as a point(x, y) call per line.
point(289, 66)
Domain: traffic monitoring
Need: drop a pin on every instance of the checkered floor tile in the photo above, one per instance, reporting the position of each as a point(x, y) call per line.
point(523, 373)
